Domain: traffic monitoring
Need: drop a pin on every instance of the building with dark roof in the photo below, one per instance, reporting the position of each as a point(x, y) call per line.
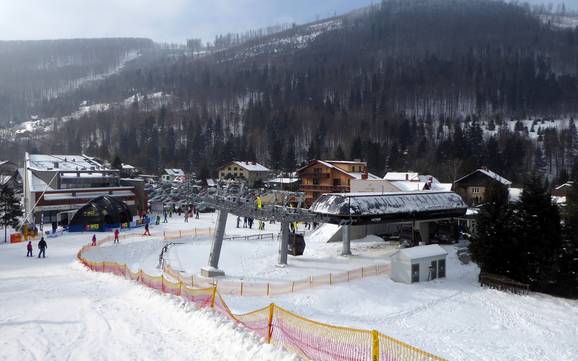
point(473, 186)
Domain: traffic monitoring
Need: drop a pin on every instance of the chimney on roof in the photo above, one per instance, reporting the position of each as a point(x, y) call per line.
point(406, 176)
point(365, 175)
point(254, 163)
point(55, 164)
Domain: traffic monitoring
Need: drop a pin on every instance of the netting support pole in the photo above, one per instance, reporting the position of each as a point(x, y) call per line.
point(375, 345)
point(270, 322)
point(213, 296)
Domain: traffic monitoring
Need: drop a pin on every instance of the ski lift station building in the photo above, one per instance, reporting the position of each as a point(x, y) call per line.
point(418, 264)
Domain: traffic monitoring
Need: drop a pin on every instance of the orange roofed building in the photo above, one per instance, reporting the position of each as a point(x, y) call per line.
point(330, 176)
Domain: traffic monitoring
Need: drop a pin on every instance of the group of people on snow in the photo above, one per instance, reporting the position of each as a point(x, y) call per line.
point(41, 248)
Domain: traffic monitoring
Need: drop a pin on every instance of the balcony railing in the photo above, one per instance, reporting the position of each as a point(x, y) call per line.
point(316, 175)
point(324, 188)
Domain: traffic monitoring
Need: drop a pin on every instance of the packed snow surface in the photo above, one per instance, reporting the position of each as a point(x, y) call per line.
point(54, 309)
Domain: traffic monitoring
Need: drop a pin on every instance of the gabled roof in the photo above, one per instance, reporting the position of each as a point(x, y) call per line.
point(487, 173)
point(252, 166)
point(565, 185)
point(353, 175)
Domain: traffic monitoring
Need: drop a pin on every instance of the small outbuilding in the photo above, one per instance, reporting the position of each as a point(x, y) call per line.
point(418, 264)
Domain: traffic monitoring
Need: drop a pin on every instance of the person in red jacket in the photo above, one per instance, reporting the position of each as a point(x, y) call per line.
point(29, 249)
point(116, 232)
point(93, 240)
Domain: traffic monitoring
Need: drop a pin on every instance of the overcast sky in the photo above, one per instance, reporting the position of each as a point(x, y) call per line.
point(160, 20)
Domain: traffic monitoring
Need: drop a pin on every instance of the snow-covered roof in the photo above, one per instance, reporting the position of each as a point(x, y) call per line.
point(411, 186)
point(358, 175)
point(127, 166)
point(490, 174)
point(44, 162)
point(4, 179)
point(174, 172)
point(401, 176)
point(6, 162)
point(413, 253)
point(559, 200)
point(283, 180)
point(514, 194)
point(388, 203)
point(352, 162)
point(252, 166)
point(472, 211)
point(565, 185)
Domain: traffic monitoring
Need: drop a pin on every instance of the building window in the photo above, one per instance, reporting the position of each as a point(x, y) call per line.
point(336, 182)
point(316, 181)
point(476, 190)
point(316, 170)
point(234, 168)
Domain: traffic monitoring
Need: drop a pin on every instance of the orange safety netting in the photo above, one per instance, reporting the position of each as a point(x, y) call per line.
point(309, 339)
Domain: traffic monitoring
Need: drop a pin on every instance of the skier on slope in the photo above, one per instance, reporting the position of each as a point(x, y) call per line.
point(42, 247)
point(29, 249)
point(93, 244)
point(147, 232)
point(116, 232)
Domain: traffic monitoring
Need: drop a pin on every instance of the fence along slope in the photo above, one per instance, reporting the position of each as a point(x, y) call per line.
point(308, 338)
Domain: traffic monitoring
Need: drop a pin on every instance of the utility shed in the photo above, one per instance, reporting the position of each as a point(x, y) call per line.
point(418, 264)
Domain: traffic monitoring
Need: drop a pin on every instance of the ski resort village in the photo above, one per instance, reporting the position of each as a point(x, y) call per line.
point(326, 262)
point(352, 180)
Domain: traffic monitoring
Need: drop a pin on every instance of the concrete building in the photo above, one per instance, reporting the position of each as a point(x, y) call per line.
point(251, 172)
point(59, 184)
point(418, 264)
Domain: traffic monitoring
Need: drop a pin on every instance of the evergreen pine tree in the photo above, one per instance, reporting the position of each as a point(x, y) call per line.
point(495, 240)
point(540, 237)
point(116, 163)
point(10, 210)
point(568, 276)
point(339, 153)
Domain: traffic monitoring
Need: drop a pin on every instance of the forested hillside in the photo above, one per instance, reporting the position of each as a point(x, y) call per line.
point(436, 86)
point(34, 72)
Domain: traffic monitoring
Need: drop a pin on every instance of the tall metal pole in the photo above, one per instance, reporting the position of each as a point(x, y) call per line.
point(213, 269)
point(345, 240)
point(284, 242)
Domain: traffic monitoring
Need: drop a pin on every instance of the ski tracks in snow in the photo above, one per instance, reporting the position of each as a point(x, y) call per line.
point(54, 309)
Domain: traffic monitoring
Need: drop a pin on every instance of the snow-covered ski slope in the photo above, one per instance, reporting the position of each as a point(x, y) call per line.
point(54, 309)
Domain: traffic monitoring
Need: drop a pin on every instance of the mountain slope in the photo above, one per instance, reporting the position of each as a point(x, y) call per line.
point(406, 84)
